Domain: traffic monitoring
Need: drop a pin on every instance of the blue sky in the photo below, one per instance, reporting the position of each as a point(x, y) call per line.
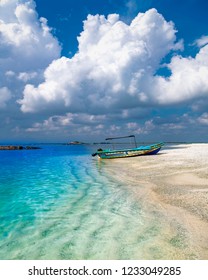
point(89, 69)
point(66, 17)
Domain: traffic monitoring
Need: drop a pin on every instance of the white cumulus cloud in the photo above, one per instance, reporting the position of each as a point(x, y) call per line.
point(5, 96)
point(112, 68)
point(201, 42)
point(188, 79)
point(26, 38)
point(203, 119)
point(26, 42)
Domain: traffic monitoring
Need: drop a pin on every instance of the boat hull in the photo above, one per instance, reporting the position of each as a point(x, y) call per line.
point(141, 151)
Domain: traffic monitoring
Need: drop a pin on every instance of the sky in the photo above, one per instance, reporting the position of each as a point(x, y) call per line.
point(87, 69)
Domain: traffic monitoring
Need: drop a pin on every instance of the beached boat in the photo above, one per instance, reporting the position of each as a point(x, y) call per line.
point(132, 152)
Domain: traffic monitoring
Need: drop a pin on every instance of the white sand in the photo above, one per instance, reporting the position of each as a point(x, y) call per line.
point(172, 188)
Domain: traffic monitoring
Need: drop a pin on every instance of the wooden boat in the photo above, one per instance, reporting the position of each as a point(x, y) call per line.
point(133, 152)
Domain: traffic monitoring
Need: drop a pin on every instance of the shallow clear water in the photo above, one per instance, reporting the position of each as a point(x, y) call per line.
point(59, 203)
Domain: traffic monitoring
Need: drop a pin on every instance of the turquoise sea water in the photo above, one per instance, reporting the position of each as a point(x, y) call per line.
point(59, 203)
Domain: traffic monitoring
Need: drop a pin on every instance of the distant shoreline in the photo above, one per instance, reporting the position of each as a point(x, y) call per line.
point(24, 144)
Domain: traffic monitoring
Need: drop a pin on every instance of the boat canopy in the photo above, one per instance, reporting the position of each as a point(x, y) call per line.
point(112, 138)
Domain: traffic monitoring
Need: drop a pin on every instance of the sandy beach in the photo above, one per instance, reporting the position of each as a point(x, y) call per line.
point(172, 189)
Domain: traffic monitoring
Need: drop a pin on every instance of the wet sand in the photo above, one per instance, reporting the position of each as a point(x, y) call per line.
point(172, 189)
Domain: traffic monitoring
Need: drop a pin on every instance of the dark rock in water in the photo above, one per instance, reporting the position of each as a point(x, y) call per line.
point(11, 147)
point(32, 148)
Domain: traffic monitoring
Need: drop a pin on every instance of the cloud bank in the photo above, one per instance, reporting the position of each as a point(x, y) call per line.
point(113, 82)
point(116, 67)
